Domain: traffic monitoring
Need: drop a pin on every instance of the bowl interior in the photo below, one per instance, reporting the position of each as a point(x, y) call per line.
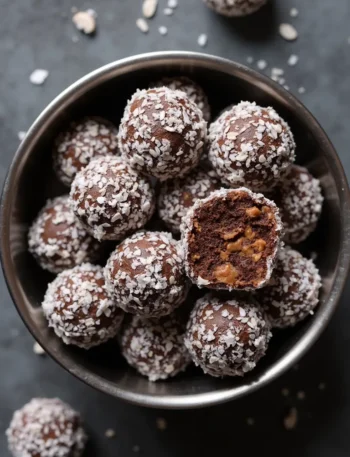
point(31, 181)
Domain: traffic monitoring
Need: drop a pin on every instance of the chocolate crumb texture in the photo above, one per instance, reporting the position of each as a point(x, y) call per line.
point(235, 7)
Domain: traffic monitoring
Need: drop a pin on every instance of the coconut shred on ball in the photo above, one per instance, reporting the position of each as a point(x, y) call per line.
point(79, 309)
point(235, 7)
point(193, 91)
point(111, 199)
point(231, 239)
point(227, 337)
point(145, 274)
point(251, 146)
point(58, 240)
point(177, 196)
point(155, 347)
point(293, 291)
point(46, 427)
point(162, 133)
point(83, 140)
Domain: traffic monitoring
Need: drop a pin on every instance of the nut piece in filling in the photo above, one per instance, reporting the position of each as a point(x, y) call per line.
point(46, 427)
point(177, 196)
point(162, 133)
point(111, 199)
point(293, 290)
point(155, 347)
point(227, 337)
point(251, 146)
point(79, 308)
point(82, 141)
point(235, 7)
point(145, 274)
point(58, 240)
point(231, 240)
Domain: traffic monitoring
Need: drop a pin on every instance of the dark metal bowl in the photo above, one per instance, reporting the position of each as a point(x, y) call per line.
point(30, 182)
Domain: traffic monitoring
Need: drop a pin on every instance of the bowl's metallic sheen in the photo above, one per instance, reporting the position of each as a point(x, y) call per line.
point(30, 181)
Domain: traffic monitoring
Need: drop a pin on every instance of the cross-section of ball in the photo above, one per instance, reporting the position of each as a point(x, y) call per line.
point(231, 239)
point(79, 309)
point(235, 7)
point(111, 199)
point(251, 146)
point(293, 291)
point(155, 347)
point(162, 133)
point(227, 337)
point(145, 274)
point(46, 427)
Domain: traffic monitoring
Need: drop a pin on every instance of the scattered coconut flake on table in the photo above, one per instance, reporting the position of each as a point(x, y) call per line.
point(163, 30)
point(38, 76)
point(21, 135)
point(85, 21)
point(291, 419)
point(37, 349)
point(168, 11)
point(149, 8)
point(161, 423)
point(250, 421)
point(293, 60)
point(250, 59)
point(172, 4)
point(288, 32)
point(294, 12)
point(92, 12)
point(75, 39)
point(202, 40)
point(109, 433)
point(277, 71)
point(301, 90)
point(261, 64)
point(142, 25)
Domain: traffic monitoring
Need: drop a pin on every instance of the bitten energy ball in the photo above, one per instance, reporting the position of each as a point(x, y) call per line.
point(251, 146)
point(292, 293)
point(193, 91)
point(231, 239)
point(74, 148)
point(79, 308)
point(155, 347)
point(235, 7)
point(299, 198)
point(162, 133)
point(111, 199)
point(227, 337)
point(145, 274)
point(58, 240)
point(46, 427)
point(178, 195)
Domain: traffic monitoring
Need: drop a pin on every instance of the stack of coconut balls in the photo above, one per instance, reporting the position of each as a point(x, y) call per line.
point(229, 195)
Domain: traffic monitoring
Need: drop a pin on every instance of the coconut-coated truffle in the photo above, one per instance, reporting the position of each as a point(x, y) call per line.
point(46, 427)
point(111, 199)
point(227, 337)
point(231, 239)
point(79, 308)
point(145, 274)
point(83, 140)
point(58, 240)
point(251, 146)
point(293, 291)
point(193, 91)
point(299, 198)
point(178, 195)
point(235, 7)
point(162, 133)
point(155, 347)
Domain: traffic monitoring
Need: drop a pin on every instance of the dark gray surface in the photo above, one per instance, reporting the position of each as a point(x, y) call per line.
point(37, 34)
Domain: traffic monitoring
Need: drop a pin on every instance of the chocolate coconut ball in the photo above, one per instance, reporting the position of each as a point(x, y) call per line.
point(145, 274)
point(227, 337)
point(79, 308)
point(162, 133)
point(299, 198)
point(178, 195)
point(231, 240)
point(293, 291)
point(46, 427)
point(235, 7)
point(155, 347)
point(73, 149)
point(193, 91)
point(111, 199)
point(251, 146)
point(58, 240)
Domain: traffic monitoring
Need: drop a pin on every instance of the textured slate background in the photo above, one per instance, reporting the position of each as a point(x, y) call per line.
point(38, 34)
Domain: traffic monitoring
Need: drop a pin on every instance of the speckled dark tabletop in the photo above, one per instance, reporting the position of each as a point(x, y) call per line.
point(38, 34)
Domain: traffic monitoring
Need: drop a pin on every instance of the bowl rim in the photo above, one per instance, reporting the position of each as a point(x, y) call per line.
point(90, 81)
